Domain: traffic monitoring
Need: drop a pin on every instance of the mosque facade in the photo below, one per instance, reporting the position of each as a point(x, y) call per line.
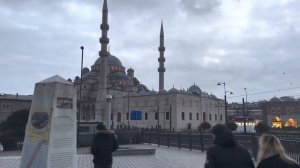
point(133, 104)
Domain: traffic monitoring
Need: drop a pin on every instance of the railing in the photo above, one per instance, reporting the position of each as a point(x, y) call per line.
point(286, 135)
point(202, 141)
point(292, 149)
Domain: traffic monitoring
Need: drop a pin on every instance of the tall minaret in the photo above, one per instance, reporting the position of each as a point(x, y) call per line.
point(102, 92)
point(161, 58)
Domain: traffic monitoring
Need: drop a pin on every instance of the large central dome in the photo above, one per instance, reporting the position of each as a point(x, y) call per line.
point(111, 60)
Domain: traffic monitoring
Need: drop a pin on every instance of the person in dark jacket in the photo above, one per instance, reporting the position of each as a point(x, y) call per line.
point(226, 153)
point(104, 144)
point(271, 154)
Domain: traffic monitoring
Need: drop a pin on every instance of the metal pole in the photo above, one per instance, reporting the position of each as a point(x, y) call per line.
point(226, 119)
point(246, 106)
point(157, 112)
point(245, 131)
point(108, 118)
point(128, 111)
point(82, 48)
point(218, 111)
point(79, 102)
point(170, 117)
point(225, 109)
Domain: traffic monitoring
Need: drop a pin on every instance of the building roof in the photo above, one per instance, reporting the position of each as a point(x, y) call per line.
point(56, 79)
point(195, 89)
point(111, 60)
point(16, 96)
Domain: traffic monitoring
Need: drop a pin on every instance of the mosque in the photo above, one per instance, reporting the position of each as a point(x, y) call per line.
point(132, 103)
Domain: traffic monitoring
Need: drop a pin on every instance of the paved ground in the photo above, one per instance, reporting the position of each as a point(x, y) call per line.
point(164, 158)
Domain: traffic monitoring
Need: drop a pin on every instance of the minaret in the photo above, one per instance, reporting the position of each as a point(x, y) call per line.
point(102, 92)
point(161, 58)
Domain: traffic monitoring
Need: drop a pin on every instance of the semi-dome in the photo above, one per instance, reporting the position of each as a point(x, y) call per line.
point(111, 60)
point(119, 75)
point(142, 88)
point(195, 89)
point(213, 96)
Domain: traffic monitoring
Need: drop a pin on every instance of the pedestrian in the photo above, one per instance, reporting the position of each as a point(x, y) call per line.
point(226, 153)
point(104, 144)
point(271, 154)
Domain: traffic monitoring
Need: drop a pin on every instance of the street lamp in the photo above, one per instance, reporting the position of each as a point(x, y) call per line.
point(246, 99)
point(225, 103)
point(79, 102)
point(108, 100)
point(79, 110)
point(245, 129)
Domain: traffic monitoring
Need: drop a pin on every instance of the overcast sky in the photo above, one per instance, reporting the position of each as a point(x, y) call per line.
point(251, 44)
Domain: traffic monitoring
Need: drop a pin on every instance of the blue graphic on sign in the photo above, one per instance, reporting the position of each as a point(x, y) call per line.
point(136, 115)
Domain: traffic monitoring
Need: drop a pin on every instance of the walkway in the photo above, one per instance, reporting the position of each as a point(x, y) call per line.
point(164, 158)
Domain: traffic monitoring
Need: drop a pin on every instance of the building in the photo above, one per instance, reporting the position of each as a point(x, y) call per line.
point(10, 103)
point(282, 112)
point(253, 111)
point(133, 104)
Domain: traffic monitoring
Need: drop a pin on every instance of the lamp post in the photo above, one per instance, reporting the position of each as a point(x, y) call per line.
point(128, 110)
point(225, 104)
point(79, 102)
point(108, 100)
point(245, 109)
point(246, 100)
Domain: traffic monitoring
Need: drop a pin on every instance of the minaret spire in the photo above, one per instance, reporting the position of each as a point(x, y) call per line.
point(161, 58)
point(104, 40)
point(103, 53)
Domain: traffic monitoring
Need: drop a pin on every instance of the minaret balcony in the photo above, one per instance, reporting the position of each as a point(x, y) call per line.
point(161, 59)
point(103, 53)
point(161, 69)
point(104, 40)
point(104, 26)
point(161, 48)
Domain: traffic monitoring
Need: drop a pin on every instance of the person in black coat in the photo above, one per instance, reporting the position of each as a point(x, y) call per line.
point(104, 144)
point(272, 154)
point(226, 153)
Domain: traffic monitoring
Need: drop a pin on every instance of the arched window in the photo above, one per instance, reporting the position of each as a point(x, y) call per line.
point(119, 117)
point(93, 112)
point(204, 117)
point(88, 113)
point(82, 112)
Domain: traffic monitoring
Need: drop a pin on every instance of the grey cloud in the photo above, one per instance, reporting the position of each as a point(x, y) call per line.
point(200, 6)
point(42, 38)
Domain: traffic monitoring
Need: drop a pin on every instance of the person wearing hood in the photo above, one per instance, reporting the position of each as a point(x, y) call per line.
point(226, 153)
point(103, 145)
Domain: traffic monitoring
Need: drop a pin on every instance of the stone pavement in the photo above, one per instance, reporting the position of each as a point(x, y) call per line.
point(164, 158)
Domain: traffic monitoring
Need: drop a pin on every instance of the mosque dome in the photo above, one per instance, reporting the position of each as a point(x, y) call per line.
point(111, 60)
point(85, 70)
point(130, 70)
point(152, 92)
point(89, 74)
point(173, 90)
point(275, 99)
point(195, 89)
